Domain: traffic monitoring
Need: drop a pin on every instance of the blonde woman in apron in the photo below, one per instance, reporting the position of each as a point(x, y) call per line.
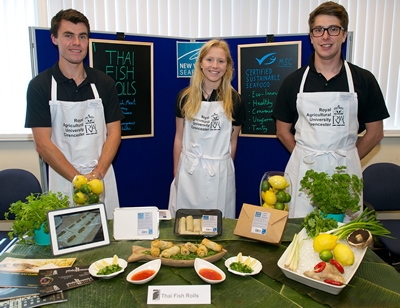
point(206, 138)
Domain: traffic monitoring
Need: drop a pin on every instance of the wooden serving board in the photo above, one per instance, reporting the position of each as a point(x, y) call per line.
point(137, 255)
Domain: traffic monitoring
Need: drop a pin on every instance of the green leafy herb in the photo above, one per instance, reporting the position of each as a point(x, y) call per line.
point(32, 214)
point(109, 269)
point(367, 220)
point(190, 256)
point(240, 267)
point(314, 223)
point(333, 194)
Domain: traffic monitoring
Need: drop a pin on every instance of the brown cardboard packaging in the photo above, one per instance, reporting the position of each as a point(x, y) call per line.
point(254, 226)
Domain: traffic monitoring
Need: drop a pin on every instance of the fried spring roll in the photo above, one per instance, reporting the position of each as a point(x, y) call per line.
point(192, 247)
point(155, 252)
point(170, 252)
point(184, 250)
point(189, 223)
point(202, 251)
point(161, 244)
point(182, 225)
point(211, 245)
point(197, 225)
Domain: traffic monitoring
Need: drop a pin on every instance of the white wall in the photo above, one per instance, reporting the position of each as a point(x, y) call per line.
point(22, 154)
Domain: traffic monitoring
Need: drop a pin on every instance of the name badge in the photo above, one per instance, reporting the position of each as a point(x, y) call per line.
point(167, 295)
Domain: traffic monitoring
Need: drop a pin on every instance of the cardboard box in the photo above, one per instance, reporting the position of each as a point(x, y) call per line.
point(261, 223)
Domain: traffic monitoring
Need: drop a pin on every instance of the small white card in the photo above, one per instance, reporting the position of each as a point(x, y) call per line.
point(209, 223)
point(260, 222)
point(178, 295)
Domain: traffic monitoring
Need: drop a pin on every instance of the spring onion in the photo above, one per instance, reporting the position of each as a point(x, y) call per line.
point(367, 220)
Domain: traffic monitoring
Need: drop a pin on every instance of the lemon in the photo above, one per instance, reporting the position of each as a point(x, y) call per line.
point(278, 182)
point(239, 258)
point(343, 254)
point(324, 242)
point(286, 208)
point(268, 205)
point(269, 197)
point(96, 186)
point(79, 197)
point(115, 260)
point(79, 180)
point(247, 261)
point(99, 265)
point(104, 263)
point(253, 263)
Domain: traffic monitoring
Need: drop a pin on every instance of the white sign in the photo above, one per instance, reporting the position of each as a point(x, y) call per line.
point(169, 295)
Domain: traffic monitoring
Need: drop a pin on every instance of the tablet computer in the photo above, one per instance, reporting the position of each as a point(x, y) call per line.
point(78, 228)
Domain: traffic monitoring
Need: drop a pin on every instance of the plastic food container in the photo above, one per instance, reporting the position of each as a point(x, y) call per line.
point(198, 223)
point(87, 191)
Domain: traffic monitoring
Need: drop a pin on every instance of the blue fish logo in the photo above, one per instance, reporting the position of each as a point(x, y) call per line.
point(271, 57)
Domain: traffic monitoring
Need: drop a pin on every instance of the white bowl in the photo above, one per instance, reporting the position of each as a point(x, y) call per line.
point(320, 285)
point(200, 264)
point(121, 262)
point(153, 265)
point(256, 269)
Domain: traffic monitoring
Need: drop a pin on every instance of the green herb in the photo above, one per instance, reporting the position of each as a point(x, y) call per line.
point(333, 194)
point(109, 269)
point(314, 223)
point(240, 267)
point(367, 220)
point(32, 214)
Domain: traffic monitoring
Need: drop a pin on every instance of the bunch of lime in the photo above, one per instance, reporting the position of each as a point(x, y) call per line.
point(273, 193)
point(87, 192)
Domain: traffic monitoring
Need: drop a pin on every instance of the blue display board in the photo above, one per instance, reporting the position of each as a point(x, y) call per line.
point(144, 166)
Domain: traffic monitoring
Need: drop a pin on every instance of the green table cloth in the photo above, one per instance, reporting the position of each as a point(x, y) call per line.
point(375, 284)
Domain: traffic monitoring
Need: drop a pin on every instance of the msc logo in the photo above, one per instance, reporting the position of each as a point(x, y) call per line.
point(269, 57)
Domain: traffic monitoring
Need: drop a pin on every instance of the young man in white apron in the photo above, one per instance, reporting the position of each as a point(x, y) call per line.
point(74, 113)
point(333, 99)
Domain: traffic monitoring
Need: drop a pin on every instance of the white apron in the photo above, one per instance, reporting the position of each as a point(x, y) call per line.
point(79, 132)
point(326, 134)
point(205, 177)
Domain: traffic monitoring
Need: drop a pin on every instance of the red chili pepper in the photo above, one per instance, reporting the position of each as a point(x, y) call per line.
point(337, 264)
point(319, 267)
point(334, 282)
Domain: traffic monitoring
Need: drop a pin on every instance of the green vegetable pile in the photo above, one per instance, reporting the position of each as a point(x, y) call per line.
point(240, 267)
point(109, 269)
point(314, 223)
point(367, 220)
point(190, 256)
point(333, 194)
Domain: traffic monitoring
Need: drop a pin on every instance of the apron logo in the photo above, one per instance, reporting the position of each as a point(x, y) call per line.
point(215, 122)
point(90, 125)
point(338, 116)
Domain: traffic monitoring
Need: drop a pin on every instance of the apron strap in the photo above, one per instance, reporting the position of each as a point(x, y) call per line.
point(303, 80)
point(89, 165)
point(311, 154)
point(196, 152)
point(54, 90)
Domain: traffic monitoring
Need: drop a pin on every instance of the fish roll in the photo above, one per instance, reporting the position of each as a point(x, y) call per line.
point(211, 245)
point(184, 250)
point(189, 223)
point(170, 252)
point(191, 247)
point(161, 244)
point(197, 225)
point(202, 251)
point(155, 252)
point(182, 225)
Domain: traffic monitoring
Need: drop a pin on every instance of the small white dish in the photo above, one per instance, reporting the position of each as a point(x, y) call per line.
point(152, 265)
point(199, 264)
point(121, 262)
point(256, 269)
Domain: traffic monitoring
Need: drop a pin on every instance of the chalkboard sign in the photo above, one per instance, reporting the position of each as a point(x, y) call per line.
point(130, 64)
point(262, 69)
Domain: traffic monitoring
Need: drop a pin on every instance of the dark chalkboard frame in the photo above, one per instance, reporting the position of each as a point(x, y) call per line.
point(267, 47)
point(148, 118)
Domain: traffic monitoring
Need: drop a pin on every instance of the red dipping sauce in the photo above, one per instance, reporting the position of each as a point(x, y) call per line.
point(210, 274)
point(143, 275)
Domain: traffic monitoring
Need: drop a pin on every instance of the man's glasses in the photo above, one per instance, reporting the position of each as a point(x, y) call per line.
point(332, 31)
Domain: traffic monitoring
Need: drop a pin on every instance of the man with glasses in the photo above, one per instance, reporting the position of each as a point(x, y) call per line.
point(323, 106)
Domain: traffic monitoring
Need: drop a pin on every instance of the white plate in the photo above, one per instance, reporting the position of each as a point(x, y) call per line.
point(121, 262)
point(256, 269)
point(154, 265)
point(320, 285)
point(200, 264)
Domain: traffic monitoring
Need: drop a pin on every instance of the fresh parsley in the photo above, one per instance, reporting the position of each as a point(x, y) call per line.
point(240, 267)
point(109, 269)
point(315, 223)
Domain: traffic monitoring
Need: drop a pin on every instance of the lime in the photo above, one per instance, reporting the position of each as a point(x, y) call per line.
point(97, 186)
point(85, 188)
point(79, 197)
point(265, 186)
point(94, 198)
point(325, 255)
point(288, 198)
point(277, 182)
point(279, 206)
point(281, 196)
point(76, 190)
point(79, 180)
